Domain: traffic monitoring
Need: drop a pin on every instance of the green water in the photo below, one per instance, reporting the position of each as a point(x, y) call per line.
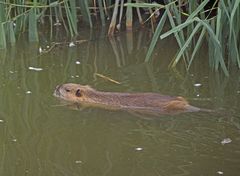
point(39, 137)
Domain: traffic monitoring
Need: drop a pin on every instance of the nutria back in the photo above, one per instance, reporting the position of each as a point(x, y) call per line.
point(155, 102)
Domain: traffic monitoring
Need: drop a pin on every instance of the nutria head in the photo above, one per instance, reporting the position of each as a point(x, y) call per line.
point(72, 92)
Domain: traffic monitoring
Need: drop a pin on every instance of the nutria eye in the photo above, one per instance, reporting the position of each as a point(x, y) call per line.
point(67, 90)
point(78, 93)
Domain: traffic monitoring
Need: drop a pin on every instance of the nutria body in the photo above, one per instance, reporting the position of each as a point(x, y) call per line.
point(139, 102)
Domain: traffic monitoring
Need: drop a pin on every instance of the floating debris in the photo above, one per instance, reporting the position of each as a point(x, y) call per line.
point(220, 172)
point(197, 85)
point(11, 72)
point(28, 92)
point(14, 140)
point(78, 162)
point(57, 23)
point(78, 62)
point(35, 68)
point(139, 149)
point(107, 78)
point(40, 50)
point(1, 121)
point(226, 141)
point(198, 95)
point(77, 76)
point(71, 44)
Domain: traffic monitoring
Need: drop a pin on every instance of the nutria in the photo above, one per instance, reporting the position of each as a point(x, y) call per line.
point(139, 102)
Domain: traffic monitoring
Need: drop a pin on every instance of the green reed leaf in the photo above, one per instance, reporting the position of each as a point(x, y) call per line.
point(184, 47)
point(156, 36)
point(32, 26)
point(11, 33)
point(197, 46)
point(3, 43)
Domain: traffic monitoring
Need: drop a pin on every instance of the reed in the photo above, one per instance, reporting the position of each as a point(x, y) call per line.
point(190, 22)
point(194, 25)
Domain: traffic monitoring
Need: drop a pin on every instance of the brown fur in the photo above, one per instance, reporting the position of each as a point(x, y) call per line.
point(142, 102)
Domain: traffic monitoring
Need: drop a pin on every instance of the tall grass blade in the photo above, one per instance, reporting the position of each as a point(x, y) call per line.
point(69, 18)
point(32, 26)
point(184, 47)
point(180, 40)
point(129, 17)
point(199, 8)
point(179, 27)
point(196, 47)
point(73, 14)
point(3, 43)
point(101, 10)
point(114, 18)
point(156, 36)
point(85, 11)
point(12, 37)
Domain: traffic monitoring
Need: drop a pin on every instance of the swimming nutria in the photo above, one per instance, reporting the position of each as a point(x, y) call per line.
point(139, 102)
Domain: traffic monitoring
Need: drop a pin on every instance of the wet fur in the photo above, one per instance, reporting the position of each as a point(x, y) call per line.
point(140, 102)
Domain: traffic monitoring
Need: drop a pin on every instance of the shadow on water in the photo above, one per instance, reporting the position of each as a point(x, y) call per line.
point(39, 138)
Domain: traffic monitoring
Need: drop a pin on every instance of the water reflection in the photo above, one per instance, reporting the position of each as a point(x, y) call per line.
point(39, 138)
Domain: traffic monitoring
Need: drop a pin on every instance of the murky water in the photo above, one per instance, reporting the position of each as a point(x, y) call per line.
point(40, 137)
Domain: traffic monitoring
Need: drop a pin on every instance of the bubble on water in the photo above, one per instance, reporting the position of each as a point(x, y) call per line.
point(197, 84)
point(78, 62)
point(71, 44)
point(220, 172)
point(1, 121)
point(35, 68)
point(226, 141)
point(14, 140)
point(28, 92)
point(40, 50)
point(77, 76)
point(138, 148)
point(11, 71)
point(78, 162)
point(198, 95)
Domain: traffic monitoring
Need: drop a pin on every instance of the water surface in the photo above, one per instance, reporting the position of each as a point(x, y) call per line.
point(38, 136)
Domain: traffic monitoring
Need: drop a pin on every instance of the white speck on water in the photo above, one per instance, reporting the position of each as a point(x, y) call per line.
point(28, 92)
point(40, 50)
point(47, 46)
point(78, 162)
point(11, 71)
point(71, 44)
point(57, 23)
point(139, 149)
point(198, 95)
point(197, 85)
point(35, 68)
point(118, 26)
point(226, 141)
point(1, 121)
point(14, 140)
point(238, 91)
point(77, 76)
point(72, 76)
point(78, 62)
point(220, 172)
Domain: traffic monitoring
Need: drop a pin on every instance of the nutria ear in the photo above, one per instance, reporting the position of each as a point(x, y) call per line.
point(78, 93)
